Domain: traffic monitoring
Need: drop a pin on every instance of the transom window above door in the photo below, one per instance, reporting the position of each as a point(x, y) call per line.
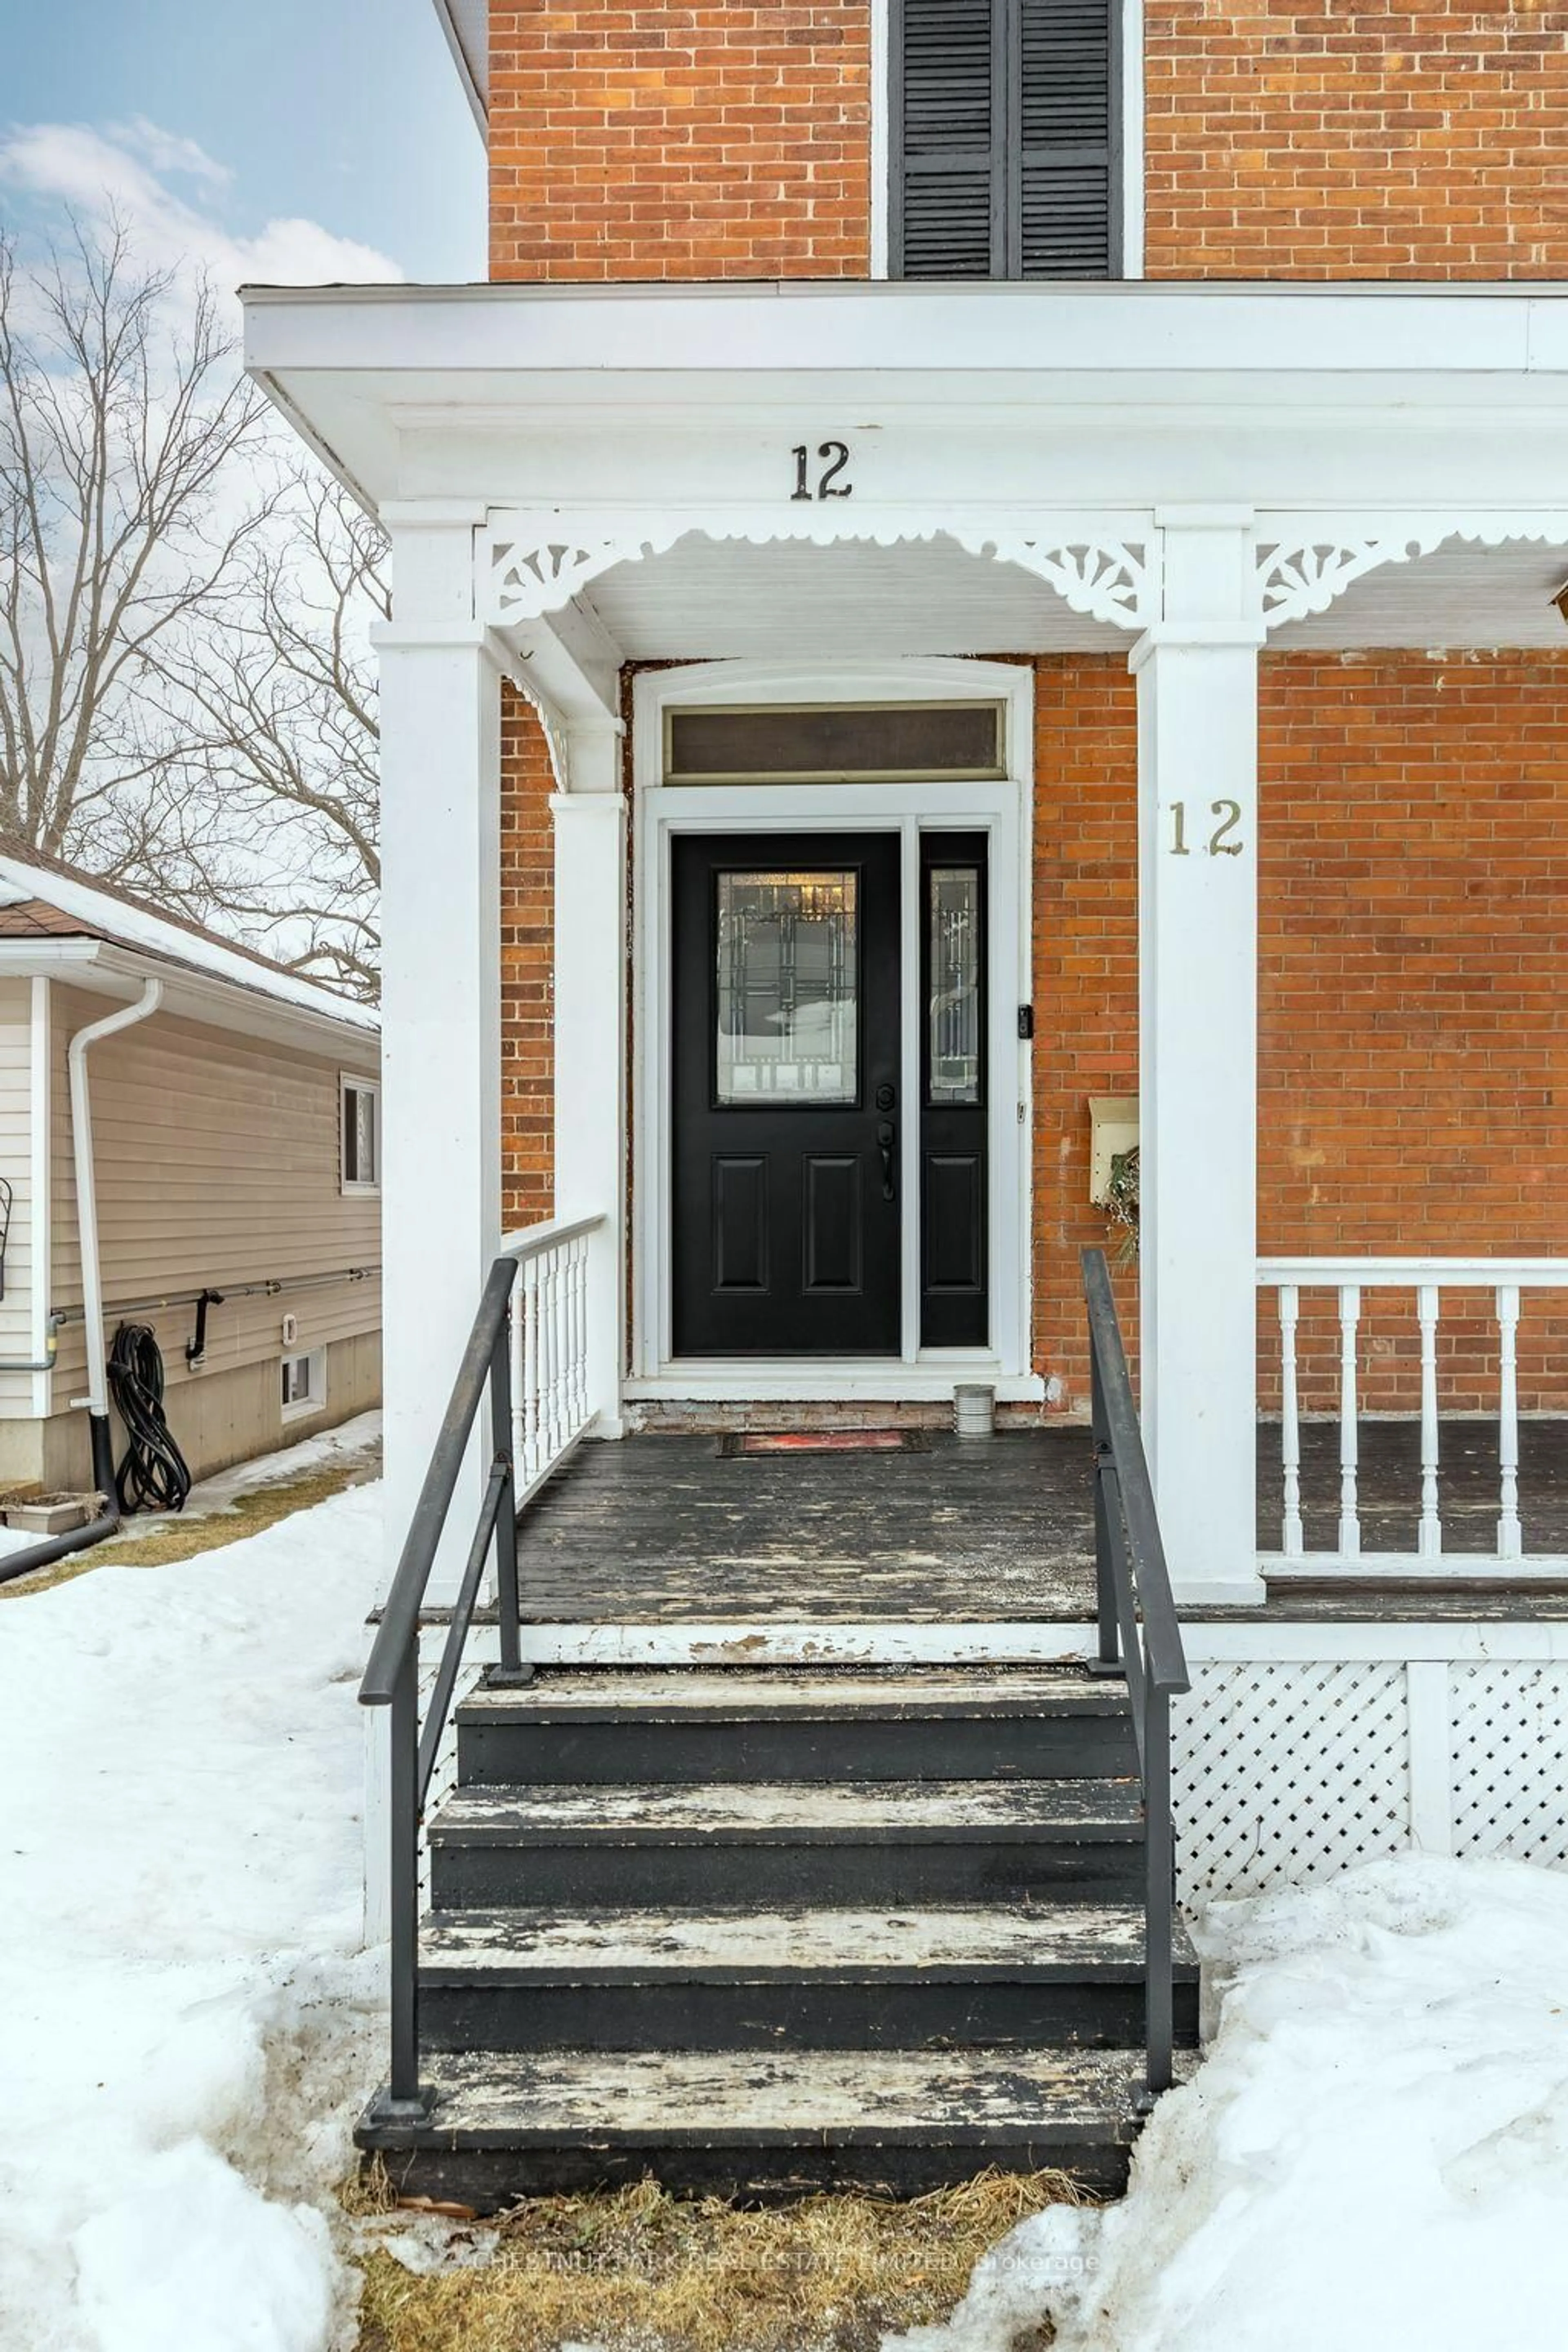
point(835, 743)
point(1003, 133)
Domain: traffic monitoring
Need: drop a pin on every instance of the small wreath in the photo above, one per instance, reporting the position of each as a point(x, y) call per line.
point(1121, 1203)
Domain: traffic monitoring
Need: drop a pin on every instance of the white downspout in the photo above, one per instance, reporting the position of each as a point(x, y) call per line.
point(152, 996)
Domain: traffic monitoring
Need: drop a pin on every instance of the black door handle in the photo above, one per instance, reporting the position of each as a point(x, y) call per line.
point(885, 1140)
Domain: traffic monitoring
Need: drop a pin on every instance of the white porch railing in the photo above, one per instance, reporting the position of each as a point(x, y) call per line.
point(1425, 1280)
point(552, 1399)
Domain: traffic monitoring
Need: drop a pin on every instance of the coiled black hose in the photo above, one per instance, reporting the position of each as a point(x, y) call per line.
point(154, 1475)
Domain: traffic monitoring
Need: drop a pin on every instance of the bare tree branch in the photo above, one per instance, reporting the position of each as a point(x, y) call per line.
point(126, 503)
point(278, 715)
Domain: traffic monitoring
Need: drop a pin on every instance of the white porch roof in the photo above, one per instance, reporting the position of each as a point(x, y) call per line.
point(1433, 420)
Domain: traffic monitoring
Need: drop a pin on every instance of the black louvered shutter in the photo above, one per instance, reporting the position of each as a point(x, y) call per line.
point(1003, 146)
point(1065, 217)
point(949, 107)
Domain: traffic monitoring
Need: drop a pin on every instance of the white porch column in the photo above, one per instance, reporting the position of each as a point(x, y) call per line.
point(1198, 762)
point(590, 1045)
point(440, 820)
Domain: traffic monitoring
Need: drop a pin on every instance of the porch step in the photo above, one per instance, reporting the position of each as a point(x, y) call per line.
point(757, 1932)
point(959, 1978)
point(782, 1844)
point(741, 2123)
point(604, 1730)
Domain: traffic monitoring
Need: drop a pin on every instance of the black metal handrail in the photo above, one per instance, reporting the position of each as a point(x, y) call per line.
point(391, 1676)
point(1139, 1636)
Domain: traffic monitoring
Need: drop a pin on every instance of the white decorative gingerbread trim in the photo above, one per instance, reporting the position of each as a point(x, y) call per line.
point(533, 575)
point(1308, 576)
point(1311, 569)
point(537, 564)
point(1105, 579)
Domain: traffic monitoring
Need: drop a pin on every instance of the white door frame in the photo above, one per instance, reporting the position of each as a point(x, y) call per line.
point(1003, 812)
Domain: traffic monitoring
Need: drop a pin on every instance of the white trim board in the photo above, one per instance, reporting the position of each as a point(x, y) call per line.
point(1003, 809)
point(879, 192)
point(933, 1377)
point(768, 1642)
point(1410, 1568)
point(1132, 139)
point(1263, 1640)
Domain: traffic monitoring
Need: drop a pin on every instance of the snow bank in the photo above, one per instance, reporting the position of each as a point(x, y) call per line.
point(185, 2022)
point(1374, 2156)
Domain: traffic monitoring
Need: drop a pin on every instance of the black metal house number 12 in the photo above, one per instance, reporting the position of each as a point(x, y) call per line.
point(833, 457)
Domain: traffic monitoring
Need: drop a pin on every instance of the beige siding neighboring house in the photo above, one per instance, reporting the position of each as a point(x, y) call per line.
point(217, 1149)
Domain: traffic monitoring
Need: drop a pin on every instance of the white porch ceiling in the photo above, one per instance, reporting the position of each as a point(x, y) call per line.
point(724, 598)
point(1460, 595)
point(707, 598)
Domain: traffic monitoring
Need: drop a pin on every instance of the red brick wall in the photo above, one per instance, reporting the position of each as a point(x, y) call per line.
point(1287, 139)
point(1413, 1047)
point(1086, 973)
point(527, 916)
point(1309, 138)
point(1414, 1020)
point(668, 142)
point(1413, 1013)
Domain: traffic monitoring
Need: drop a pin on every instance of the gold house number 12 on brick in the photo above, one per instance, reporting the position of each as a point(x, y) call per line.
point(832, 457)
point(1219, 843)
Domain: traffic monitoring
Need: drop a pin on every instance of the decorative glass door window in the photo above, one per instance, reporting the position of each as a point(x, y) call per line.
point(787, 988)
point(954, 949)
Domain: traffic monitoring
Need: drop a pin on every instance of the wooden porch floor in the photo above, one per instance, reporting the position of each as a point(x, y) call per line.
point(665, 1529)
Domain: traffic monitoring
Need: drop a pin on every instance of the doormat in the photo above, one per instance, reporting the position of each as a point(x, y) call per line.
point(825, 1441)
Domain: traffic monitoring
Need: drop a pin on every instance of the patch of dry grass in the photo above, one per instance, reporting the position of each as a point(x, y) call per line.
point(637, 2268)
point(177, 1538)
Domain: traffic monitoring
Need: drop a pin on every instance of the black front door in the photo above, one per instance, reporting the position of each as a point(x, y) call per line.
point(785, 1068)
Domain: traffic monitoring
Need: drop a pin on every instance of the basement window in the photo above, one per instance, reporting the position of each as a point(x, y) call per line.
point(836, 743)
point(359, 1129)
point(304, 1384)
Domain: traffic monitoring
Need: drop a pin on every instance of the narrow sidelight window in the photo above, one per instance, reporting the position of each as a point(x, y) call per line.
point(955, 978)
point(1004, 139)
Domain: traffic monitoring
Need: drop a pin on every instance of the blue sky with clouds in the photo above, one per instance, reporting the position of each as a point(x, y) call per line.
point(291, 137)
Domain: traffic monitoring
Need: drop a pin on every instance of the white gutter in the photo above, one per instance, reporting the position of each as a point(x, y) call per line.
point(127, 1016)
point(190, 993)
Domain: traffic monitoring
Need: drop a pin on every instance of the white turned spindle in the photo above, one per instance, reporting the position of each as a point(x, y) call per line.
point(516, 1317)
point(568, 1343)
point(1292, 1541)
point(530, 1376)
point(581, 1337)
point(574, 1357)
point(1350, 1516)
point(1429, 1540)
point(562, 1349)
point(549, 1332)
point(562, 1346)
point(1510, 1535)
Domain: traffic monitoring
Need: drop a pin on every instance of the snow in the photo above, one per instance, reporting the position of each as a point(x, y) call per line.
point(1372, 2157)
point(187, 2024)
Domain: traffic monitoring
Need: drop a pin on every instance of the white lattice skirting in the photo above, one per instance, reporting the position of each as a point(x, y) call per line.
point(1288, 1769)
